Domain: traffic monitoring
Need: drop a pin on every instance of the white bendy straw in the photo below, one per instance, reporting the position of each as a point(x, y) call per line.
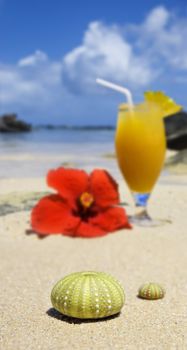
point(118, 88)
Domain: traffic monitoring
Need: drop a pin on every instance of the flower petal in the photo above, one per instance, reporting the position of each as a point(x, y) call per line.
point(104, 188)
point(70, 183)
point(53, 215)
point(88, 230)
point(111, 219)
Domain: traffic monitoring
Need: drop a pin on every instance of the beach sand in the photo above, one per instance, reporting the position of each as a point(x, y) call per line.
point(31, 266)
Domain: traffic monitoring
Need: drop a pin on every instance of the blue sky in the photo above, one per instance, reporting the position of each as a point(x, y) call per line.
point(52, 51)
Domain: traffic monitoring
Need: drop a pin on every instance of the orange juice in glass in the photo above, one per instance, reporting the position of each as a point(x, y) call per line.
point(140, 147)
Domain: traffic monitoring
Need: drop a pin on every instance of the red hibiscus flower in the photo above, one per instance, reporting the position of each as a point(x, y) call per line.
point(84, 206)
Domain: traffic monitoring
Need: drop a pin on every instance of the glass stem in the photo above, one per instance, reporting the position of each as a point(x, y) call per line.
point(141, 200)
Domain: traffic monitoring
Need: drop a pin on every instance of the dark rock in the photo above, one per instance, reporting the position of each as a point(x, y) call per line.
point(176, 131)
point(10, 123)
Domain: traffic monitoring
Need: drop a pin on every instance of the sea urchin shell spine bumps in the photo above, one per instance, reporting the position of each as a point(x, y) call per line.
point(151, 291)
point(88, 295)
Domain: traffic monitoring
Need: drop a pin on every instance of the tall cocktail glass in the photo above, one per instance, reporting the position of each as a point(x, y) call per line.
point(140, 147)
point(141, 144)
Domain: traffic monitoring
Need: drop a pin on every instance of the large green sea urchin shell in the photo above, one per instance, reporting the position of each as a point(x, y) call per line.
point(88, 295)
point(151, 291)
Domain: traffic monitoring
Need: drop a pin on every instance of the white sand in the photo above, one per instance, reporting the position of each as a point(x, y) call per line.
point(30, 267)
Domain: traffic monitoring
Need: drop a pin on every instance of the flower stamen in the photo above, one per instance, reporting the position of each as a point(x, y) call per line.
point(86, 199)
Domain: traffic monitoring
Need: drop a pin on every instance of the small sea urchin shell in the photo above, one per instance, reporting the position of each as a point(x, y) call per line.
point(151, 291)
point(88, 295)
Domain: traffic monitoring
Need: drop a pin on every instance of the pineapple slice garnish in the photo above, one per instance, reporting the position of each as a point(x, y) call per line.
point(165, 103)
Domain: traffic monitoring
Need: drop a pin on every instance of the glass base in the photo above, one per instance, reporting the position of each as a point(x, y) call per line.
point(142, 218)
point(146, 221)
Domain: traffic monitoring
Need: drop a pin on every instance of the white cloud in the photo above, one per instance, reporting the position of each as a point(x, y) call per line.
point(172, 44)
point(33, 84)
point(106, 53)
point(157, 19)
point(39, 57)
point(163, 36)
point(15, 88)
point(158, 45)
point(32, 76)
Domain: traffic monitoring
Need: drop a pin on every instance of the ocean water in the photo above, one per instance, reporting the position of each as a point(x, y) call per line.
point(33, 153)
point(57, 140)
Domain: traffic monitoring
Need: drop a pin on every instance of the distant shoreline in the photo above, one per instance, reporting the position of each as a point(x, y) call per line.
point(72, 127)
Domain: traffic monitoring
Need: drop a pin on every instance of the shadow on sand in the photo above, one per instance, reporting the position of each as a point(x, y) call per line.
point(55, 314)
